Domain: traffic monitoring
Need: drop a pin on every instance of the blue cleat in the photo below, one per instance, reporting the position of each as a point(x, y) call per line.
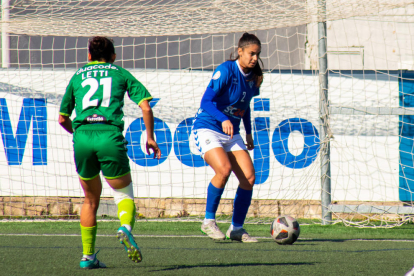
point(126, 238)
point(91, 264)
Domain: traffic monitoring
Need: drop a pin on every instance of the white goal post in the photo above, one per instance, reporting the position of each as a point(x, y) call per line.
point(333, 125)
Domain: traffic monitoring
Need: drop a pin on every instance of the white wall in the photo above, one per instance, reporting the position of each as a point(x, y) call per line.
point(364, 166)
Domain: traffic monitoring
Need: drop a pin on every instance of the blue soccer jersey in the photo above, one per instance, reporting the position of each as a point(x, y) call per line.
point(234, 90)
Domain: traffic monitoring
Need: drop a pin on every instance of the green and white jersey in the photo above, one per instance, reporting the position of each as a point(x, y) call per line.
point(96, 92)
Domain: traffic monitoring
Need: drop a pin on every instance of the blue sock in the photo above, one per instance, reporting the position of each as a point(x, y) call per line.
point(213, 200)
point(241, 206)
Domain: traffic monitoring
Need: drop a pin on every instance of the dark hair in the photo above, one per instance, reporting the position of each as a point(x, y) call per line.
point(246, 40)
point(101, 48)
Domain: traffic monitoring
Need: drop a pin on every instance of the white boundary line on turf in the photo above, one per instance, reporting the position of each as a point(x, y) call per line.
point(192, 236)
point(137, 221)
point(186, 220)
point(98, 235)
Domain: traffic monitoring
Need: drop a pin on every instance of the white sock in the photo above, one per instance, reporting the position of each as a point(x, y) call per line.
point(235, 228)
point(89, 257)
point(207, 221)
point(127, 226)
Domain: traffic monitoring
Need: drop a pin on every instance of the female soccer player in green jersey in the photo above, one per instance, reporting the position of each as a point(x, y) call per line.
point(96, 91)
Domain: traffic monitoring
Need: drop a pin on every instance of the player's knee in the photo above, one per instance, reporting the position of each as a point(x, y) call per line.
point(124, 193)
point(224, 172)
point(91, 203)
point(251, 179)
point(247, 183)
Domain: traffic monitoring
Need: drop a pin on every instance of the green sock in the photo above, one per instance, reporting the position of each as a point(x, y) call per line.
point(126, 212)
point(88, 239)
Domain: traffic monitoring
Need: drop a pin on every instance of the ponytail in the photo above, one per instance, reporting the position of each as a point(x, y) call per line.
point(258, 73)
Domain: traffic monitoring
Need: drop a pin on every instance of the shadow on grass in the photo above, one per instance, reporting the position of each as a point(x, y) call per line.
point(176, 267)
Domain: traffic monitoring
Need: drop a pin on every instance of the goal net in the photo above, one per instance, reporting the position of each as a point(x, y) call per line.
point(172, 47)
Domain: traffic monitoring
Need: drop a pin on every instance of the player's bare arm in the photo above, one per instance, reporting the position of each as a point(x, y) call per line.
point(66, 123)
point(149, 125)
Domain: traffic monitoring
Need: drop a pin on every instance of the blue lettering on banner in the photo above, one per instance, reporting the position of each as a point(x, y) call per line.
point(406, 130)
point(261, 104)
point(34, 113)
point(153, 102)
point(261, 134)
point(14, 146)
point(182, 145)
point(280, 143)
point(261, 152)
point(162, 134)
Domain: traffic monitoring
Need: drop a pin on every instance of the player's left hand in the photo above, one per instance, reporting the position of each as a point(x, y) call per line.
point(249, 142)
point(151, 144)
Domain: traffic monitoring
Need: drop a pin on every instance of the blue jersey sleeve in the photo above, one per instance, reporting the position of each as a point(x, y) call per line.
point(257, 92)
point(209, 107)
point(247, 121)
point(220, 80)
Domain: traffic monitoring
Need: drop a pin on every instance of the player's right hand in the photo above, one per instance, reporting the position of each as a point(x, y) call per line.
point(151, 144)
point(227, 128)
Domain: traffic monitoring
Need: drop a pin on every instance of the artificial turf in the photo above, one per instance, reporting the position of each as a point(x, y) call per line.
point(323, 250)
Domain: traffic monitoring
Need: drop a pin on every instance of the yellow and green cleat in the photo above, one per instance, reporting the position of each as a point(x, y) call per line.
point(126, 238)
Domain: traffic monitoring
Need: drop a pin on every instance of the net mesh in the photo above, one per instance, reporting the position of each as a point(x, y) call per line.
point(172, 47)
point(149, 18)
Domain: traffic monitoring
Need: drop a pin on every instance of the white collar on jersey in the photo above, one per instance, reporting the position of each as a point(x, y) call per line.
point(241, 70)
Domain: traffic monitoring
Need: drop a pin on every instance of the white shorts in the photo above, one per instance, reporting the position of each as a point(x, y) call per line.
point(206, 139)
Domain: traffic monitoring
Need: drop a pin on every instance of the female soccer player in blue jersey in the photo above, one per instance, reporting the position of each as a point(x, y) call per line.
point(96, 92)
point(216, 133)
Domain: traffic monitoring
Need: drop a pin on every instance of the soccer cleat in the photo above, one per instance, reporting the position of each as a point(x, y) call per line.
point(91, 264)
point(126, 238)
point(410, 272)
point(211, 229)
point(239, 235)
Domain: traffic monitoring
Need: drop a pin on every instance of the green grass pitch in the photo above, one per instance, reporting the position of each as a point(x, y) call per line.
point(178, 248)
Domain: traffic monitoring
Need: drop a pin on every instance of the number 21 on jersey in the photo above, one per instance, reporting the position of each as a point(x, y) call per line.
point(93, 87)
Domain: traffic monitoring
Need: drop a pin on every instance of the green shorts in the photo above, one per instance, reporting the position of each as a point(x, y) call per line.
point(98, 148)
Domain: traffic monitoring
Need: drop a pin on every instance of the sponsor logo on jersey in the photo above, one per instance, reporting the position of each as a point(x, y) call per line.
point(235, 81)
point(95, 118)
point(234, 112)
point(96, 66)
point(216, 76)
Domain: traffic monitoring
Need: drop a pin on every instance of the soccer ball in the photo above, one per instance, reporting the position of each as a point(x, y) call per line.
point(285, 230)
